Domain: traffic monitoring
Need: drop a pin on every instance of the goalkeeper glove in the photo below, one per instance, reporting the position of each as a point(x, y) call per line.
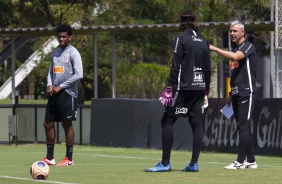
point(166, 96)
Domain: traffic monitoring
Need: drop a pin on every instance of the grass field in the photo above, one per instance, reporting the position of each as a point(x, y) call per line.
point(24, 101)
point(124, 165)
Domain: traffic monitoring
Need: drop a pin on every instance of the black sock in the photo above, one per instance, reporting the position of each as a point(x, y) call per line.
point(165, 162)
point(192, 163)
point(69, 152)
point(50, 151)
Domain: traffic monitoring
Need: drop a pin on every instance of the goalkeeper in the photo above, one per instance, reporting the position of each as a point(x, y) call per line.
point(188, 83)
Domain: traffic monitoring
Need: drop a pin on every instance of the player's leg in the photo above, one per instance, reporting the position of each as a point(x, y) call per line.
point(68, 112)
point(167, 123)
point(196, 124)
point(69, 135)
point(167, 142)
point(50, 132)
point(169, 117)
point(51, 115)
point(50, 142)
point(195, 117)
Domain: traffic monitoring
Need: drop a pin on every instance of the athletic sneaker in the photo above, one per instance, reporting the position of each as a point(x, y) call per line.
point(159, 168)
point(235, 165)
point(253, 165)
point(189, 168)
point(65, 162)
point(49, 162)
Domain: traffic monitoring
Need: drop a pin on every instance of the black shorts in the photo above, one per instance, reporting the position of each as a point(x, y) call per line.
point(186, 103)
point(61, 107)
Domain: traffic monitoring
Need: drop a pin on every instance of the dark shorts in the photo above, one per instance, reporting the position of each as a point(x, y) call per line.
point(186, 103)
point(61, 107)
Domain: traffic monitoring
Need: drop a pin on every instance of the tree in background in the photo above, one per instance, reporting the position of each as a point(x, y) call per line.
point(147, 52)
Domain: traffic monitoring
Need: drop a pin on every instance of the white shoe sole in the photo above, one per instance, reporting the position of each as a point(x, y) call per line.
point(251, 165)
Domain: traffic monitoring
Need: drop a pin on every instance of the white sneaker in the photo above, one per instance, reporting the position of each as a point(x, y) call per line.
point(250, 165)
point(235, 165)
point(49, 162)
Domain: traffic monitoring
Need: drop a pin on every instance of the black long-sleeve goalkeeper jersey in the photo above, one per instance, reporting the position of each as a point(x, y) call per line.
point(191, 64)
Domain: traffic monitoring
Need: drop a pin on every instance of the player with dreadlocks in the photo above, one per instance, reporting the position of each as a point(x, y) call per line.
point(188, 83)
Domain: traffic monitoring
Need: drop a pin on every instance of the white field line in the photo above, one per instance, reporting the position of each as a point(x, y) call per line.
point(259, 165)
point(43, 181)
point(117, 156)
point(142, 158)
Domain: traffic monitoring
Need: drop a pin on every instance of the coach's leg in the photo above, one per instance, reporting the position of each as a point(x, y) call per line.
point(69, 134)
point(250, 153)
point(243, 125)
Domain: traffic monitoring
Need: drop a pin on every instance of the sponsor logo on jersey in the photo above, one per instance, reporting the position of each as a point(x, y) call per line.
point(197, 69)
point(195, 39)
point(181, 110)
point(199, 84)
point(198, 77)
point(59, 69)
point(233, 64)
point(234, 90)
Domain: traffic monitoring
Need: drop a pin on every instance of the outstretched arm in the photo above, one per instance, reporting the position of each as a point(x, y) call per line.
point(235, 56)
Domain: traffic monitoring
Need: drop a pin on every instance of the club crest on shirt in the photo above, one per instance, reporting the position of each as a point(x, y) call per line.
point(233, 64)
point(55, 59)
point(66, 57)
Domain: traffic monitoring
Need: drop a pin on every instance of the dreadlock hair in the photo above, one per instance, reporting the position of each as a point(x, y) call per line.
point(188, 20)
point(64, 28)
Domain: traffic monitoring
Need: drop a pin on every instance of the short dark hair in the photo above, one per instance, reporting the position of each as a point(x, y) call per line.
point(64, 28)
point(188, 20)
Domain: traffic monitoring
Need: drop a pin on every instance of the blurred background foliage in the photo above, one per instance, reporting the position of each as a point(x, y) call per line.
point(142, 59)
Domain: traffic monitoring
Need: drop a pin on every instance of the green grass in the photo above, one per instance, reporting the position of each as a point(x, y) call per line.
point(124, 165)
point(25, 101)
